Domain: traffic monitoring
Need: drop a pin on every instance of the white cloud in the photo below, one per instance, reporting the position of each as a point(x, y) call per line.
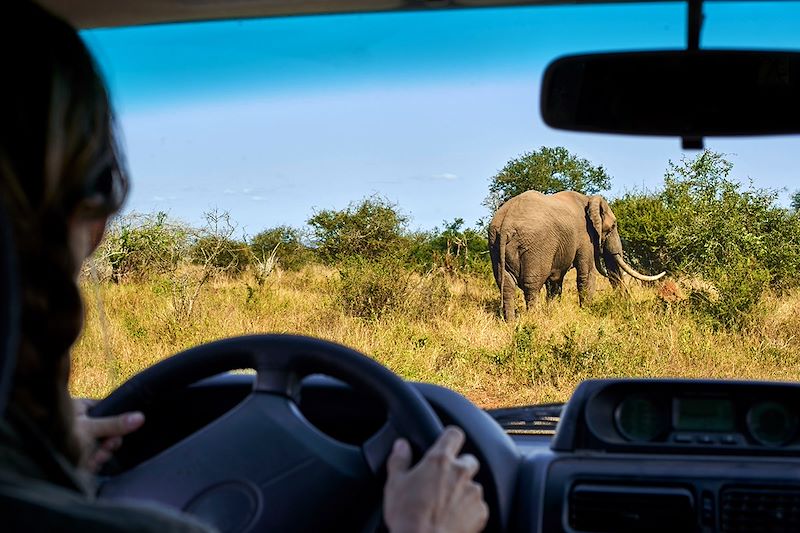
point(445, 176)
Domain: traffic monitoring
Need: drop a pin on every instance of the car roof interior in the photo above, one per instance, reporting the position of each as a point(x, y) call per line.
point(86, 14)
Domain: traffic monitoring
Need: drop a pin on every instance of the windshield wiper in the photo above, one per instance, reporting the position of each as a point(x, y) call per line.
point(528, 420)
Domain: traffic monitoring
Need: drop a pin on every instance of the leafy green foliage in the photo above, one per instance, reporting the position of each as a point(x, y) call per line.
point(369, 289)
point(454, 248)
point(795, 202)
point(287, 243)
point(371, 229)
point(719, 223)
point(221, 253)
point(643, 222)
point(546, 170)
point(372, 289)
point(705, 224)
point(140, 246)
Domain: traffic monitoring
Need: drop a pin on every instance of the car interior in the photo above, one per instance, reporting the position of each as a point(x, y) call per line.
point(300, 443)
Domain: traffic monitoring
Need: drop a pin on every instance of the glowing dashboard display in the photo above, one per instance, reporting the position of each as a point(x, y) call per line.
point(703, 414)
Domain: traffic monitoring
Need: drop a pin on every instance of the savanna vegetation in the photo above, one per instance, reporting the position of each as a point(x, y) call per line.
point(425, 303)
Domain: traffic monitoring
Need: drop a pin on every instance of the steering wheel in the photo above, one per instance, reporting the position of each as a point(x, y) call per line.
point(262, 466)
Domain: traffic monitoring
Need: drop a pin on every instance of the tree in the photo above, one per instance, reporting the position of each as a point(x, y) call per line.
point(370, 229)
point(796, 201)
point(287, 244)
point(547, 170)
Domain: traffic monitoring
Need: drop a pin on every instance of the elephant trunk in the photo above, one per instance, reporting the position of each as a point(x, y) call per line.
point(598, 263)
point(629, 270)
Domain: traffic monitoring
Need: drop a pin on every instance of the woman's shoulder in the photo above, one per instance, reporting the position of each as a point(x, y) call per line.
point(38, 506)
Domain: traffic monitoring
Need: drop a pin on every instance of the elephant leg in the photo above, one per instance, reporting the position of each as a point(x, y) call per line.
point(586, 286)
point(509, 297)
point(531, 295)
point(532, 286)
point(534, 272)
point(554, 285)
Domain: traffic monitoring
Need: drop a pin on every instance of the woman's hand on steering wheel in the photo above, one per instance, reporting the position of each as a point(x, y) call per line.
point(102, 436)
point(436, 495)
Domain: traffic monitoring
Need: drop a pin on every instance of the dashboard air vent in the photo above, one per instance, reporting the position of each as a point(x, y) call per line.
point(622, 508)
point(530, 420)
point(757, 509)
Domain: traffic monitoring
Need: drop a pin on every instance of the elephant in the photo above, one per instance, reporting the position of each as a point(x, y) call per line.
point(535, 238)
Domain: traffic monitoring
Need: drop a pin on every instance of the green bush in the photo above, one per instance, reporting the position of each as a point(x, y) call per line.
point(739, 287)
point(454, 249)
point(369, 289)
point(140, 246)
point(643, 223)
point(287, 243)
point(221, 254)
point(372, 229)
point(704, 224)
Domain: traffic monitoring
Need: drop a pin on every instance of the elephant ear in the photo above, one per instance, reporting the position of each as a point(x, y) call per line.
point(594, 211)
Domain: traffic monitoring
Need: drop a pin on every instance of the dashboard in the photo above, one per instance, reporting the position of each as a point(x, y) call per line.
point(627, 455)
point(682, 416)
point(671, 455)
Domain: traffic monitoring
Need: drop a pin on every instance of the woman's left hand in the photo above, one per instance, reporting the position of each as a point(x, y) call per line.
point(101, 436)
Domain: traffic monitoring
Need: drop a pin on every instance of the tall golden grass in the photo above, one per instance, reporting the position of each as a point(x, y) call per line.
point(459, 342)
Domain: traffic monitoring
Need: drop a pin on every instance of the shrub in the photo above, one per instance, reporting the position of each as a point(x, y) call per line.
point(287, 244)
point(369, 289)
point(705, 225)
point(221, 254)
point(644, 223)
point(453, 249)
point(372, 229)
point(572, 354)
point(140, 246)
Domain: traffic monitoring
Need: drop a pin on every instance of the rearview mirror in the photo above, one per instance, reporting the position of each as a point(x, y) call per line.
point(690, 94)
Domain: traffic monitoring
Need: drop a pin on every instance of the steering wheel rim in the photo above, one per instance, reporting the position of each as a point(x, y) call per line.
point(281, 362)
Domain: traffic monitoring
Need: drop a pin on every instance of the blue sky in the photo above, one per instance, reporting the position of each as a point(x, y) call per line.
point(272, 119)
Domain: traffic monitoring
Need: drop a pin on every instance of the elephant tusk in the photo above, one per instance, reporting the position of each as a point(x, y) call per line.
point(624, 266)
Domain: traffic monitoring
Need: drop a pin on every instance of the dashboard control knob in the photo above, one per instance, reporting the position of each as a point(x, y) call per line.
point(772, 423)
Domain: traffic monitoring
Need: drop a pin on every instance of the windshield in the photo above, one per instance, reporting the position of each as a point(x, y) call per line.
point(337, 176)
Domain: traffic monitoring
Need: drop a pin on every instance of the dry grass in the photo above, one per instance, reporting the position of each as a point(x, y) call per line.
point(463, 345)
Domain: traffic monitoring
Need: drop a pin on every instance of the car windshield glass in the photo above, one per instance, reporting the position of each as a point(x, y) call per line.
point(337, 176)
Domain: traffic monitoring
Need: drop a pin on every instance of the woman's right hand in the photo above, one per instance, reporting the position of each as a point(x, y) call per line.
point(102, 436)
point(438, 494)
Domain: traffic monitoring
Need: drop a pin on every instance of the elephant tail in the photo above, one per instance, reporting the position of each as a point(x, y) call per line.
point(502, 264)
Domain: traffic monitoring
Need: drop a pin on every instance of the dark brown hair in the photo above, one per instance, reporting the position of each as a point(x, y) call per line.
point(59, 161)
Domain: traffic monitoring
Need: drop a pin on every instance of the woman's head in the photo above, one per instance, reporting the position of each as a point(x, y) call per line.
point(61, 177)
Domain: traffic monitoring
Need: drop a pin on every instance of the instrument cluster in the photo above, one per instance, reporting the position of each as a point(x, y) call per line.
point(684, 416)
